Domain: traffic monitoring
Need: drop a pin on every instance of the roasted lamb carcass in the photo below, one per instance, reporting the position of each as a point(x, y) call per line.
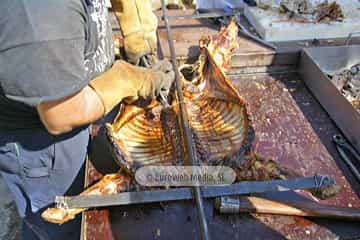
point(217, 116)
point(143, 135)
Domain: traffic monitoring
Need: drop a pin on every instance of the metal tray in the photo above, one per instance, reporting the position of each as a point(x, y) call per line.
point(315, 66)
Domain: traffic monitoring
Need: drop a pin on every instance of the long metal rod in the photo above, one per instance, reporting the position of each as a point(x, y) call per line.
point(200, 16)
point(348, 162)
point(186, 129)
point(176, 194)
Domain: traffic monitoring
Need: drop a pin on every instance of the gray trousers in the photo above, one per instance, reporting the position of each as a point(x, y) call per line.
point(38, 166)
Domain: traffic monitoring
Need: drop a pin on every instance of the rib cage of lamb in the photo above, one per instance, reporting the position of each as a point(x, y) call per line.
point(219, 121)
point(217, 114)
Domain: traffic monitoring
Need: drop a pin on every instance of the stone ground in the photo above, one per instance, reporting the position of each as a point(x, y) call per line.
point(9, 219)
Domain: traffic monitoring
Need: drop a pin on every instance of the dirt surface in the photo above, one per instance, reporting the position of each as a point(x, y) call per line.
point(9, 218)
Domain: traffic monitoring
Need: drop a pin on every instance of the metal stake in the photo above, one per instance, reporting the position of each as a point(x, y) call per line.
point(186, 129)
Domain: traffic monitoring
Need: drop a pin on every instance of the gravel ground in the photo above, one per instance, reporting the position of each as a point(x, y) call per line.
point(9, 219)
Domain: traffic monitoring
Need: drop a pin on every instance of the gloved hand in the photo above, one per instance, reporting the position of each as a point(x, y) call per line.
point(124, 81)
point(138, 24)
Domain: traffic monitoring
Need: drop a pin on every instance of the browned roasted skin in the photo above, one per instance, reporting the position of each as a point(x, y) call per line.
point(109, 184)
point(217, 114)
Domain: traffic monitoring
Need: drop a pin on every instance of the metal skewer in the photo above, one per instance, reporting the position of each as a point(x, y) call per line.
point(341, 145)
point(186, 129)
point(180, 194)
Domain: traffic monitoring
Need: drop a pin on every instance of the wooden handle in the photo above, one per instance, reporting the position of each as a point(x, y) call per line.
point(305, 209)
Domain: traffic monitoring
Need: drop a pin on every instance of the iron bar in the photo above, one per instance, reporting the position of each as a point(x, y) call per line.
point(176, 194)
point(186, 129)
point(200, 16)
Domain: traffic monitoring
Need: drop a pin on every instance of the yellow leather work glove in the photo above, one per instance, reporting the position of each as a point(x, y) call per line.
point(124, 81)
point(138, 24)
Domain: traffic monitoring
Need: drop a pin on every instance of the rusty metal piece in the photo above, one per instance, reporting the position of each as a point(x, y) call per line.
point(329, 12)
